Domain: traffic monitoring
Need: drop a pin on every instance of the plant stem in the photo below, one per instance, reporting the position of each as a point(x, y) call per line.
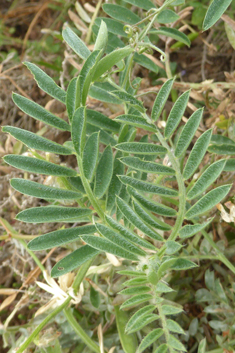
point(43, 324)
point(31, 253)
point(81, 274)
point(97, 8)
point(80, 332)
point(164, 326)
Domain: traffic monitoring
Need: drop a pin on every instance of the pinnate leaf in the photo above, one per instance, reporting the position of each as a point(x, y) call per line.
point(73, 260)
point(208, 201)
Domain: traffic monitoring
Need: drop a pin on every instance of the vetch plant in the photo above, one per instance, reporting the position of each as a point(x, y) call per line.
point(137, 199)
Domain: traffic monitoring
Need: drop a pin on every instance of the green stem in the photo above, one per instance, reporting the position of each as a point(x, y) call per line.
point(164, 326)
point(88, 190)
point(43, 324)
point(31, 253)
point(80, 332)
point(97, 8)
point(128, 70)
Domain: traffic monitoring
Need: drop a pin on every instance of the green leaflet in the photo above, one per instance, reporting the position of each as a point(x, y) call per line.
point(37, 112)
point(110, 60)
point(149, 219)
point(104, 137)
point(115, 184)
point(109, 247)
point(103, 95)
point(53, 214)
point(129, 342)
point(136, 281)
point(73, 260)
point(174, 327)
point(128, 234)
point(197, 154)
point(176, 344)
point(119, 240)
point(227, 149)
point(167, 16)
point(145, 5)
point(172, 247)
point(143, 322)
point(161, 99)
point(131, 273)
point(35, 141)
point(221, 140)
point(114, 27)
point(152, 206)
point(121, 13)
point(136, 318)
point(202, 346)
point(134, 219)
point(76, 184)
point(163, 348)
point(71, 98)
point(147, 167)
point(59, 237)
point(100, 120)
point(94, 297)
point(176, 114)
point(147, 187)
point(136, 121)
point(136, 300)
point(206, 179)
point(189, 230)
point(128, 98)
point(102, 37)
point(230, 165)
point(144, 61)
point(163, 288)
point(150, 339)
point(78, 129)
point(75, 43)
point(35, 165)
point(104, 172)
point(46, 83)
point(171, 310)
point(86, 76)
point(90, 155)
point(173, 33)
point(176, 264)
point(208, 201)
point(188, 132)
point(135, 290)
point(141, 148)
point(214, 12)
point(41, 191)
